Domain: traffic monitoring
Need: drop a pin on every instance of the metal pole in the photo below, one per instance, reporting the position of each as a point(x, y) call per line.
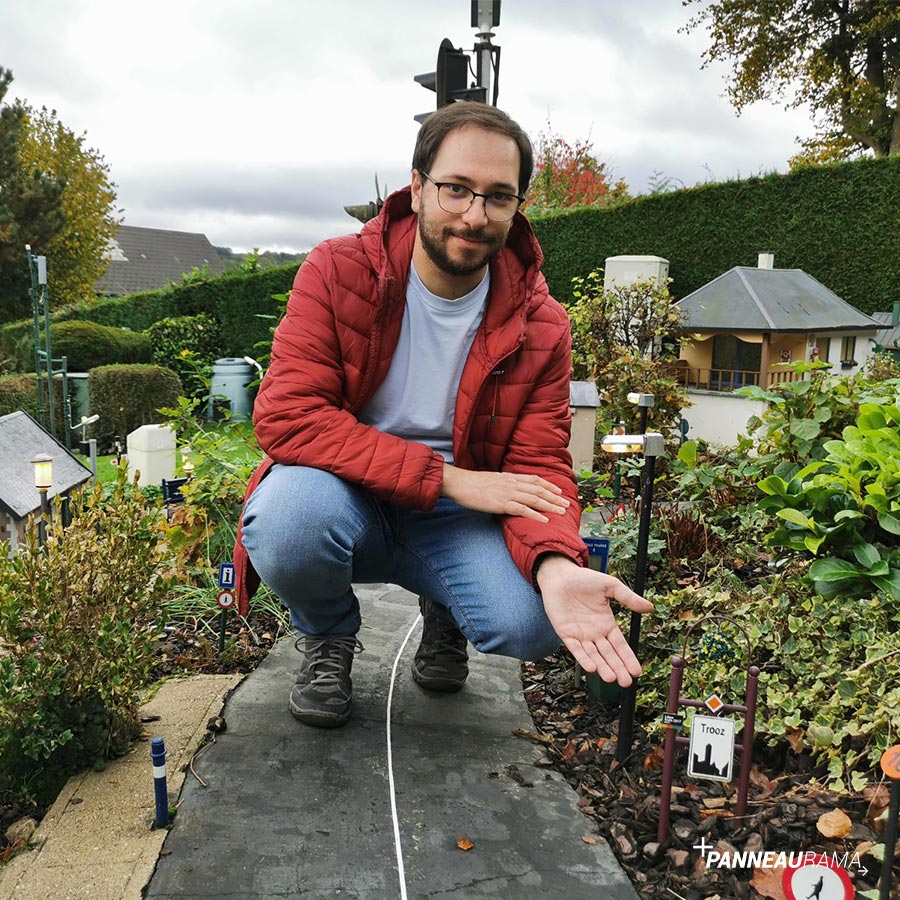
point(92, 451)
point(665, 799)
point(222, 617)
point(49, 360)
point(629, 696)
point(44, 518)
point(890, 841)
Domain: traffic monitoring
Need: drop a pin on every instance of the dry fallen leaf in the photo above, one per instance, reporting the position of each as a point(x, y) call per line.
point(464, 844)
point(767, 883)
point(589, 840)
point(834, 824)
point(533, 735)
point(795, 738)
point(878, 797)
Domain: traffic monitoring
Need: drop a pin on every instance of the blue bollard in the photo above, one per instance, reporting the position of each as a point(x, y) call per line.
point(158, 755)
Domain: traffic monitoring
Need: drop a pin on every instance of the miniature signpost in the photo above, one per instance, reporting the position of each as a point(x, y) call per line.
point(890, 765)
point(225, 598)
point(598, 689)
point(711, 746)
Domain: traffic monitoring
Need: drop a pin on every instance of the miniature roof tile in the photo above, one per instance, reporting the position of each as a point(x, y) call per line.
point(143, 259)
point(21, 439)
point(746, 298)
point(888, 335)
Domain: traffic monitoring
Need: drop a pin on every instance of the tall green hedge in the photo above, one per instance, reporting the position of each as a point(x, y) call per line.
point(839, 223)
point(128, 396)
point(236, 299)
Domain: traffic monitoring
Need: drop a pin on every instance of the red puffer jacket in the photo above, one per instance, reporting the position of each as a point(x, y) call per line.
point(333, 349)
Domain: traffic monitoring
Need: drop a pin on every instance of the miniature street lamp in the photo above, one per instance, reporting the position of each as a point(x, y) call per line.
point(644, 402)
point(652, 446)
point(186, 465)
point(43, 481)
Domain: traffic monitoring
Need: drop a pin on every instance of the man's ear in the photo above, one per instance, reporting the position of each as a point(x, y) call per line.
point(416, 187)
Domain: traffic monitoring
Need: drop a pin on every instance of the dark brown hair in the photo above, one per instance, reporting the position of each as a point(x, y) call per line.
point(466, 113)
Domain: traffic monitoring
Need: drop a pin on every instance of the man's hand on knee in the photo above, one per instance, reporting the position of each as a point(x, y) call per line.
point(503, 493)
point(576, 601)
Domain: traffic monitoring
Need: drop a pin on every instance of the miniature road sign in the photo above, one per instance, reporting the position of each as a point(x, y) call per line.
point(890, 762)
point(598, 552)
point(714, 703)
point(225, 599)
point(821, 878)
point(711, 751)
point(226, 575)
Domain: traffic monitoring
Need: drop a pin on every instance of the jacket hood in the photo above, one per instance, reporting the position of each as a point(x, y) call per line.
point(388, 238)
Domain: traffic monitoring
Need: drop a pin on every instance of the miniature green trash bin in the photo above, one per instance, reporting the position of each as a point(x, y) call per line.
point(231, 377)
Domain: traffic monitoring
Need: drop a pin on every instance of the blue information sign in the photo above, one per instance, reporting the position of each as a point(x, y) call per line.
point(598, 552)
point(226, 575)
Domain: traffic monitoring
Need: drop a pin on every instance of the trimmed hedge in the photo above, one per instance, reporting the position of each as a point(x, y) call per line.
point(236, 299)
point(87, 344)
point(19, 392)
point(128, 396)
point(839, 223)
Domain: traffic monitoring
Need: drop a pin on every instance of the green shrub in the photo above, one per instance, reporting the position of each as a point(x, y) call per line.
point(75, 621)
point(128, 396)
point(828, 679)
point(241, 301)
point(188, 345)
point(20, 392)
point(87, 344)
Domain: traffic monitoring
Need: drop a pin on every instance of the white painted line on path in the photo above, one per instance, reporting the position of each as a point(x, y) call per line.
point(390, 761)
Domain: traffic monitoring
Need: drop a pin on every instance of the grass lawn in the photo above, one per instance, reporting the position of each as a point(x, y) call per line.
point(239, 446)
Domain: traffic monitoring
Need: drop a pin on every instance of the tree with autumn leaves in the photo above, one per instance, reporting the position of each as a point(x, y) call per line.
point(56, 195)
point(567, 175)
point(841, 57)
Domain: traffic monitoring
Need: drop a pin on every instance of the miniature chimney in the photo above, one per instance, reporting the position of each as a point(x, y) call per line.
point(766, 259)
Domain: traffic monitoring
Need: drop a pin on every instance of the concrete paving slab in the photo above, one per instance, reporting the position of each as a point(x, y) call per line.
point(292, 811)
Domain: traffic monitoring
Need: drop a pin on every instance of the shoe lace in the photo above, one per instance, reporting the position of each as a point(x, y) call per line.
point(326, 657)
point(446, 639)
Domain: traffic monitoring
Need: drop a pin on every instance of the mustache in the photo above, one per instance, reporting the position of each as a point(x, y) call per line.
point(472, 235)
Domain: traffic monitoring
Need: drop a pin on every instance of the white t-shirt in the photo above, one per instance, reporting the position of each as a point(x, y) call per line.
point(417, 398)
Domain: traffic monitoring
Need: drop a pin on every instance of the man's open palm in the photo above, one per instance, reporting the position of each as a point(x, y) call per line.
point(578, 606)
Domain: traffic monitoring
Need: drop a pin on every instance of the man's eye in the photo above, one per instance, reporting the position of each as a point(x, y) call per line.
point(501, 198)
point(456, 190)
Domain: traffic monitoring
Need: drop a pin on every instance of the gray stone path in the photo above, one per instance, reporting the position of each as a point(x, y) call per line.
point(291, 811)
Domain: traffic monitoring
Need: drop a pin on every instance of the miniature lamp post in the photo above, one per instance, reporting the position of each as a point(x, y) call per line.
point(43, 481)
point(187, 466)
point(651, 446)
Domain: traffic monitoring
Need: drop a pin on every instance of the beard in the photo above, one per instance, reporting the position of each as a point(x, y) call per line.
point(467, 260)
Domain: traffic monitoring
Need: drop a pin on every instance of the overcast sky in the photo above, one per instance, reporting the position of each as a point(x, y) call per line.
point(256, 122)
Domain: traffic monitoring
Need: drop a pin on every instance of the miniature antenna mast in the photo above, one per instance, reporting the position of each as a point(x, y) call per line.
point(486, 15)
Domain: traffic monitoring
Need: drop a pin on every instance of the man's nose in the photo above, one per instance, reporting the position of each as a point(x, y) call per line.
point(476, 215)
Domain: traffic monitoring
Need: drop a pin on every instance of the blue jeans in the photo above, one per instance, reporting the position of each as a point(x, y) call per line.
point(310, 536)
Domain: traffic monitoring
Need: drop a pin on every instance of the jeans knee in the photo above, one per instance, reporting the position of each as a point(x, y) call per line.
point(525, 639)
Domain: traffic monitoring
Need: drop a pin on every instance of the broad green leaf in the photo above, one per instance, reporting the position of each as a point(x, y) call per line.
point(773, 485)
point(805, 429)
point(889, 523)
point(866, 555)
point(879, 569)
point(848, 514)
point(889, 584)
point(796, 517)
point(822, 415)
point(833, 570)
point(813, 543)
point(687, 453)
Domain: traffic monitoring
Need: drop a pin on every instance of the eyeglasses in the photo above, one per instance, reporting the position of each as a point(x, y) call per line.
point(456, 200)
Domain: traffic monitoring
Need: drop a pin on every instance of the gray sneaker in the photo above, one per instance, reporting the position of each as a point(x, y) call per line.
point(442, 662)
point(323, 692)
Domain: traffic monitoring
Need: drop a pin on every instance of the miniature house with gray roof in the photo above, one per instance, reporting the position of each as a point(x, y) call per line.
point(746, 324)
point(21, 439)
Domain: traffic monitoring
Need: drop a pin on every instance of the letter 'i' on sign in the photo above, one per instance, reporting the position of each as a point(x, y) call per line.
point(226, 575)
point(711, 751)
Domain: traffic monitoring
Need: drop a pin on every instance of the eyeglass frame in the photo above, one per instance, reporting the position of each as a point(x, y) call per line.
point(485, 197)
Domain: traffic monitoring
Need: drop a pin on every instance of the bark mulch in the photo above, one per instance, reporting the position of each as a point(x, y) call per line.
point(785, 808)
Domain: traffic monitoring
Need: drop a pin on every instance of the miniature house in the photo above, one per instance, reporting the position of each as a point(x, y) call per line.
point(21, 439)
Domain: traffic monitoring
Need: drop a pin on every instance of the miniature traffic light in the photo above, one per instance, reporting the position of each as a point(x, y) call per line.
point(450, 79)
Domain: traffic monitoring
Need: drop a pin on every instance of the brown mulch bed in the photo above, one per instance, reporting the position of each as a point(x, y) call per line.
point(578, 737)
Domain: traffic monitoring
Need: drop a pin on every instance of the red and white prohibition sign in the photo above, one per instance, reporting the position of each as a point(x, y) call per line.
point(817, 878)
